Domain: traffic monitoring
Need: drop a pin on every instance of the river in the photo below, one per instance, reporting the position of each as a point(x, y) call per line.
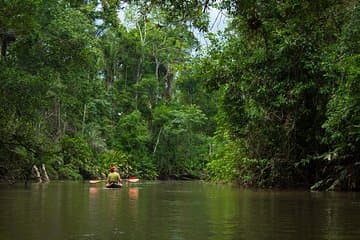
point(174, 211)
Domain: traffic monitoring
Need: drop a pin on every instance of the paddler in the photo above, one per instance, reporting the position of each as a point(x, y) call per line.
point(113, 179)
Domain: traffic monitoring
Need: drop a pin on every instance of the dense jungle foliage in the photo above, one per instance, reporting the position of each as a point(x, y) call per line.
point(272, 101)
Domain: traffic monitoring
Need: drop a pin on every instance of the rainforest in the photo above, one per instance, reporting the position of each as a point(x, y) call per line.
point(271, 100)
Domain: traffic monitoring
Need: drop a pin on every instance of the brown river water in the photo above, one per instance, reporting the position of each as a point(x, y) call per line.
point(174, 211)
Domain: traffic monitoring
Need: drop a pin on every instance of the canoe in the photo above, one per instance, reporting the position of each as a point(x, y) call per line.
point(113, 185)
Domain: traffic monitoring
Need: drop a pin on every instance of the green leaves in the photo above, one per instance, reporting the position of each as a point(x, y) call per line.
point(178, 130)
point(276, 70)
point(281, 83)
point(342, 113)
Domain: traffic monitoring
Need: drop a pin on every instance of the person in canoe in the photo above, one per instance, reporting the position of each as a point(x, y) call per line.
point(113, 179)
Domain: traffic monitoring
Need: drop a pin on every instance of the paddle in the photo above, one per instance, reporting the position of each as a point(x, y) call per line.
point(131, 179)
point(95, 181)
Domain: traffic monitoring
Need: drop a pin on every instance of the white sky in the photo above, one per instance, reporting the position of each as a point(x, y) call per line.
point(218, 22)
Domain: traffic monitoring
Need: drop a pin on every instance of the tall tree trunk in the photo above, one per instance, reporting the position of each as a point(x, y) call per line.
point(83, 120)
point(157, 140)
point(142, 34)
point(58, 111)
point(157, 67)
point(169, 84)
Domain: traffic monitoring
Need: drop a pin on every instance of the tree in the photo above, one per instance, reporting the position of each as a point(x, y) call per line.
point(180, 148)
point(342, 122)
point(133, 138)
point(48, 64)
point(275, 89)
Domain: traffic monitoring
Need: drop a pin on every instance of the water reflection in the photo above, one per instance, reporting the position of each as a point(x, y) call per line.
point(94, 192)
point(133, 193)
point(174, 210)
